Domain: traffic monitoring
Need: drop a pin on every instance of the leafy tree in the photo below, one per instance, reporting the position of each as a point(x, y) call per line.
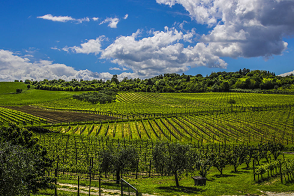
point(174, 156)
point(118, 159)
point(219, 161)
point(21, 154)
point(18, 90)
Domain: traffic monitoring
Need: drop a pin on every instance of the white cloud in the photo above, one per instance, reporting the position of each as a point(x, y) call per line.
point(242, 28)
point(160, 53)
point(92, 46)
point(115, 68)
point(63, 18)
point(14, 67)
point(126, 16)
point(95, 18)
point(112, 22)
point(287, 74)
point(86, 19)
point(56, 18)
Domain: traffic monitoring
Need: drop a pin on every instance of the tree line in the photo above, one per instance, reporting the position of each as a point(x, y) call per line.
point(215, 82)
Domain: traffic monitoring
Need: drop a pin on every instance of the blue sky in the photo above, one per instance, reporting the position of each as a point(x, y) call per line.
point(132, 38)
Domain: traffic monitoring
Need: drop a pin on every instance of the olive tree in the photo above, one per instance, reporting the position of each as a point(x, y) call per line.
point(174, 157)
point(118, 159)
point(23, 161)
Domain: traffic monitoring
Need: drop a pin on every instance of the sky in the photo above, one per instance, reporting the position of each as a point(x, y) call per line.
point(95, 39)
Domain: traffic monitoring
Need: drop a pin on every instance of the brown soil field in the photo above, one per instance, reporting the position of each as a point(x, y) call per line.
point(53, 116)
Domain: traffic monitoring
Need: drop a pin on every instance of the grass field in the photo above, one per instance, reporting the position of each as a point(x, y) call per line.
point(10, 87)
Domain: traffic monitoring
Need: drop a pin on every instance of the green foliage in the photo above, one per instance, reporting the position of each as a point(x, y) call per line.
point(101, 97)
point(18, 90)
point(215, 82)
point(173, 158)
point(232, 101)
point(34, 157)
point(118, 159)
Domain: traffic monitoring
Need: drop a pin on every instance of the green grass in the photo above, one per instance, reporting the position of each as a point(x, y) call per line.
point(10, 87)
point(34, 96)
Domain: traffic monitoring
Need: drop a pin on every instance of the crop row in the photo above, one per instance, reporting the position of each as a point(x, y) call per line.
point(153, 104)
point(232, 127)
point(9, 115)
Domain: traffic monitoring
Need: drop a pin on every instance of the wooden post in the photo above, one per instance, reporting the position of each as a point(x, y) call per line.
point(78, 185)
point(55, 182)
point(281, 171)
point(253, 170)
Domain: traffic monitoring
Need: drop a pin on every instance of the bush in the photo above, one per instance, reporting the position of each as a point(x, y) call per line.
point(101, 97)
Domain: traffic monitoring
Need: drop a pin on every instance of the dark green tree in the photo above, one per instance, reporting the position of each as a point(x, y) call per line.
point(119, 159)
point(175, 158)
point(28, 157)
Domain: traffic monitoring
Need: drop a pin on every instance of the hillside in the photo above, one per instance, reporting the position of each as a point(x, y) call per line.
point(10, 87)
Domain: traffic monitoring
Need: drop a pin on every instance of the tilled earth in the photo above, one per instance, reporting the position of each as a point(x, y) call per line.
point(53, 116)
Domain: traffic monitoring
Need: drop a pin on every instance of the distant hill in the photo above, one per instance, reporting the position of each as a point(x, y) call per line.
point(10, 87)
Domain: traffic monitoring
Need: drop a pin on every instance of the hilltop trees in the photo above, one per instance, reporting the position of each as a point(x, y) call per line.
point(215, 82)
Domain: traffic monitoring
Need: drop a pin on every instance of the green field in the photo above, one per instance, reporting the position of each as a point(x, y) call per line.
point(10, 87)
point(207, 122)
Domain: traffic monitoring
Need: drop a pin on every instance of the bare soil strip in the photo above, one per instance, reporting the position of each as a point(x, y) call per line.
point(94, 190)
point(53, 116)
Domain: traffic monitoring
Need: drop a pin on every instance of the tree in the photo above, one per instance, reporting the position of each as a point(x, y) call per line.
point(174, 157)
point(219, 161)
point(18, 90)
point(28, 158)
point(118, 159)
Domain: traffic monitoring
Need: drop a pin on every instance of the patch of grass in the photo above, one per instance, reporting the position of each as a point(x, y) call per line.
point(34, 96)
point(230, 183)
point(10, 87)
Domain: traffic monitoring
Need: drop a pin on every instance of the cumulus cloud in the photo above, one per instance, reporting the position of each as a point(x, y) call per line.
point(95, 18)
point(63, 18)
point(112, 22)
point(92, 46)
point(242, 28)
point(14, 67)
point(160, 53)
point(126, 16)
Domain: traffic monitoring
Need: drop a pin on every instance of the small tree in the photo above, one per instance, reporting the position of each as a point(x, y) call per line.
point(220, 161)
point(18, 90)
point(175, 158)
point(118, 159)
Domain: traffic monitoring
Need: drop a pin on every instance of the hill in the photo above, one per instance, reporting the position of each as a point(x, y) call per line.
point(10, 87)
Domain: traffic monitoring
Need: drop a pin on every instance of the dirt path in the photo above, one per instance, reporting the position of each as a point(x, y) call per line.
point(94, 190)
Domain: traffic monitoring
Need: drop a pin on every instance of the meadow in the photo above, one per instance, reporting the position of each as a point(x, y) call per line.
point(209, 123)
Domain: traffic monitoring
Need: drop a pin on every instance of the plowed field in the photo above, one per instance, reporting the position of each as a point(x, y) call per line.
point(54, 116)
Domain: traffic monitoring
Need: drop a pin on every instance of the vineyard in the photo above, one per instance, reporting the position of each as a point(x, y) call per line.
point(246, 134)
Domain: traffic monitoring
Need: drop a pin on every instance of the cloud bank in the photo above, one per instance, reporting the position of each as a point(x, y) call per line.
point(242, 28)
point(14, 67)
